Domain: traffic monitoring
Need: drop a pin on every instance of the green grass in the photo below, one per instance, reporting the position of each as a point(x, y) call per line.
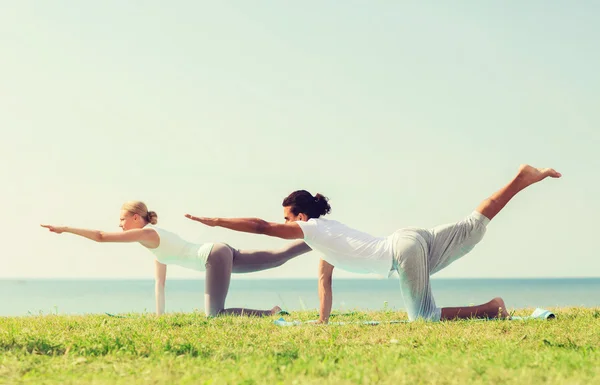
point(190, 349)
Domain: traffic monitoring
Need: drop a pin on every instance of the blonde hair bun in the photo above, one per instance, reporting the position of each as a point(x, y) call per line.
point(152, 217)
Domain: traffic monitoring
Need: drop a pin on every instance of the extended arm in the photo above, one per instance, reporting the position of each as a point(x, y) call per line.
point(146, 236)
point(254, 225)
point(160, 274)
point(325, 291)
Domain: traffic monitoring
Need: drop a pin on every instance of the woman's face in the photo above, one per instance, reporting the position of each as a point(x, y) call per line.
point(130, 221)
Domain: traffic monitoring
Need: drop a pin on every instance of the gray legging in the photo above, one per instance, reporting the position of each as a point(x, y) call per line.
point(224, 260)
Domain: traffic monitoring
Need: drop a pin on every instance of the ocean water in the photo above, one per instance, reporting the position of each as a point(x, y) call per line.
point(33, 297)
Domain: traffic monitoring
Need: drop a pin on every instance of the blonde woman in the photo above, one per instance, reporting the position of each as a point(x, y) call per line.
point(218, 260)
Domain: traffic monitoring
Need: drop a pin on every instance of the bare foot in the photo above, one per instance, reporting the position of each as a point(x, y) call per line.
point(275, 310)
point(498, 304)
point(531, 175)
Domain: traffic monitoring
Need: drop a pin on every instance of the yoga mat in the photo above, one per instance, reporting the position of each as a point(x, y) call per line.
point(538, 313)
point(115, 315)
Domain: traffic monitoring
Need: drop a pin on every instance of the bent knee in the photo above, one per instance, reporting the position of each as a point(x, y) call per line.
point(478, 223)
point(477, 234)
point(473, 231)
point(432, 314)
point(210, 313)
point(220, 252)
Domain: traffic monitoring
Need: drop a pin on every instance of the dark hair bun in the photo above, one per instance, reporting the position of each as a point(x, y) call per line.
point(322, 206)
point(301, 201)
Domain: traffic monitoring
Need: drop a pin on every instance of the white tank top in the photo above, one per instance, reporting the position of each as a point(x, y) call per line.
point(347, 248)
point(174, 250)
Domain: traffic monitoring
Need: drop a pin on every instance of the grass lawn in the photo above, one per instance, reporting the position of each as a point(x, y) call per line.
point(191, 349)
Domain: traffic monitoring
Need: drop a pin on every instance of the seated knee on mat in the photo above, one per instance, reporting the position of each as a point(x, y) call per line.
point(212, 312)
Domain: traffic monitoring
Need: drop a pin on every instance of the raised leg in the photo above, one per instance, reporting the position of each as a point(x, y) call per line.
point(526, 176)
point(218, 277)
point(490, 207)
point(448, 243)
point(248, 261)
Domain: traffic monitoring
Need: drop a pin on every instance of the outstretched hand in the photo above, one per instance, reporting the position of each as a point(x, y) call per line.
point(54, 229)
point(212, 222)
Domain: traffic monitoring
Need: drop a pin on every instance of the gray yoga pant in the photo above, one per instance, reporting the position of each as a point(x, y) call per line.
point(224, 260)
point(420, 253)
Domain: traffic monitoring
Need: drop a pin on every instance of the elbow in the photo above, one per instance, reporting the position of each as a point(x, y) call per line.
point(100, 237)
point(325, 280)
point(261, 227)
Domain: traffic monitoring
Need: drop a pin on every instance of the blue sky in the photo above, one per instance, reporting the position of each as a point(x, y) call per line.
point(402, 114)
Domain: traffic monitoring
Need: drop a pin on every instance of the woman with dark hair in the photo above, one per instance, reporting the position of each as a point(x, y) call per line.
point(415, 253)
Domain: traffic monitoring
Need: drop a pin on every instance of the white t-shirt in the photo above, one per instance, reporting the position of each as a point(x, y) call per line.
point(347, 248)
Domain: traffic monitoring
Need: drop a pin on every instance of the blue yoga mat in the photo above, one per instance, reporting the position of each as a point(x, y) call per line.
point(538, 313)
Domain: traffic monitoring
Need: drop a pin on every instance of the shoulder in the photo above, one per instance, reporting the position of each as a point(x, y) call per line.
point(311, 223)
point(319, 222)
point(310, 228)
point(151, 231)
point(151, 236)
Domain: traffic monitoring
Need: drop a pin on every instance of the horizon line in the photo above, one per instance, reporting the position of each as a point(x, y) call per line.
point(272, 278)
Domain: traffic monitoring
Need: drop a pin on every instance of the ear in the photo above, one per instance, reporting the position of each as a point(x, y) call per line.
point(303, 217)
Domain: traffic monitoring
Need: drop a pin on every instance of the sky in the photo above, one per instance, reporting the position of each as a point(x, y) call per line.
point(402, 113)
